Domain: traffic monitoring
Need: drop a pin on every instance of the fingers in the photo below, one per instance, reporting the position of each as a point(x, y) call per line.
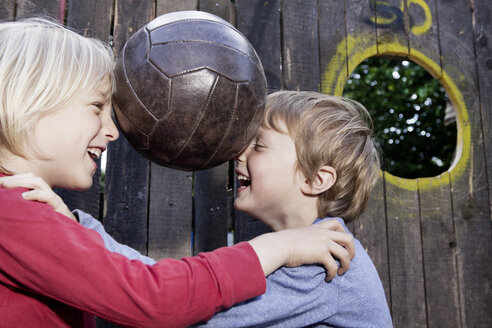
point(39, 196)
point(331, 224)
point(331, 268)
point(339, 235)
point(25, 180)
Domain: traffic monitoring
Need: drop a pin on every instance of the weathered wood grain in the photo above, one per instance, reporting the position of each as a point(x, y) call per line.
point(167, 6)
point(7, 10)
point(391, 26)
point(30, 8)
point(332, 46)
point(221, 8)
point(370, 230)
point(483, 46)
point(211, 209)
point(91, 17)
point(405, 255)
point(170, 213)
point(439, 252)
point(300, 46)
point(360, 18)
point(423, 33)
point(259, 21)
point(471, 208)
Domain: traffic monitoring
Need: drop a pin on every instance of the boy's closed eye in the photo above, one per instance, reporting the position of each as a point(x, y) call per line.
point(257, 146)
point(99, 106)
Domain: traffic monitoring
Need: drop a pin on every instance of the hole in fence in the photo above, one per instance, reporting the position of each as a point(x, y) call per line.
point(414, 120)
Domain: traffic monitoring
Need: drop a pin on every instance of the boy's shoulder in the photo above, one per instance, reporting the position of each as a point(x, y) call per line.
point(15, 206)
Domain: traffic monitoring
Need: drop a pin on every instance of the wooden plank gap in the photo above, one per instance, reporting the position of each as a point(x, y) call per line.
point(439, 39)
point(347, 71)
point(373, 6)
point(458, 276)
point(406, 23)
point(422, 247)
point(390, 301)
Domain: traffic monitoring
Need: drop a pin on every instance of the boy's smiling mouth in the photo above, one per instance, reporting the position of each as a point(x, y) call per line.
point(244, 181)
point(94, 153)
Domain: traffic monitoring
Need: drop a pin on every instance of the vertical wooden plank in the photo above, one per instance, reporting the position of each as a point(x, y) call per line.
point(370, 230)
point(483, 46)
point(92, 18)
point(259, 21)
point(405, 253)
point(221, 8)
point(423, 31)
point(7, 10)
point(390, 26)
point(360, 18)
point(300, 49)
point(127, 174)
point(438, 247)
point(167, 6)
point(471, 206)
point(170, 213)
point(332, 46)
point(211, 205)
point(211, 208)
point(30, 8)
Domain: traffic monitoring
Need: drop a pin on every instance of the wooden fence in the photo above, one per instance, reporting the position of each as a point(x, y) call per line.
point(430, 238)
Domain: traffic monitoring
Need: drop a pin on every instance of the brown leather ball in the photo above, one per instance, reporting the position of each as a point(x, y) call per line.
point(190, 91)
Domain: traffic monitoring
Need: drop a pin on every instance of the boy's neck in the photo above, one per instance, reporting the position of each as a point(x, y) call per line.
point(301, 217)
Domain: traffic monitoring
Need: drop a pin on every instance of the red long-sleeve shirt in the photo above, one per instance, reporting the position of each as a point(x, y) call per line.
point(52, 270)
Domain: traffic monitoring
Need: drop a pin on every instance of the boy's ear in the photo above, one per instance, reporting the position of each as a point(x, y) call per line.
point(324, 179)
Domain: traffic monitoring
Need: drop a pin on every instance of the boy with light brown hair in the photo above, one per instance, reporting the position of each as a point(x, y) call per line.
point(313, 158)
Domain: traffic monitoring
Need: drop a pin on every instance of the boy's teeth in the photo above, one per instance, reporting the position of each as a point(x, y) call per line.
point(95, 152)
point(243, 180)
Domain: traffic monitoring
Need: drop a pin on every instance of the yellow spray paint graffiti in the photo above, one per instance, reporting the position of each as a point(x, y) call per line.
point(426, 25)
point(388, 15)
point(356, 50)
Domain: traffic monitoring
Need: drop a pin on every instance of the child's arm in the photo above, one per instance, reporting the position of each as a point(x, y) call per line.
point(321, 243)
point(309, 245)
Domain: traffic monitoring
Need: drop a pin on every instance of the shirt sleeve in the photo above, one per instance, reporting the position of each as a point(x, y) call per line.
point(112, 245)
point(44, 252)
point(295, 297)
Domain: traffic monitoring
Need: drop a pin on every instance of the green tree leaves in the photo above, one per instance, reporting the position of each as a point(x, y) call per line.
point(407, 106)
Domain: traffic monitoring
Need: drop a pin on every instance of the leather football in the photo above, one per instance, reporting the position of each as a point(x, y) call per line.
point(190, 91)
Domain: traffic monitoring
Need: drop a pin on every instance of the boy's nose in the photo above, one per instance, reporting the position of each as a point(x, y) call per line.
point(109, 128)
point(242, 157)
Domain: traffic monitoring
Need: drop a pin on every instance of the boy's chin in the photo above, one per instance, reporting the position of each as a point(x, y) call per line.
point(240, 207)
point(78, 186)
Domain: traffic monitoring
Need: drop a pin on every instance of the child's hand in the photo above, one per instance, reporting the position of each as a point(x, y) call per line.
point(39, 191)
point(319, 243)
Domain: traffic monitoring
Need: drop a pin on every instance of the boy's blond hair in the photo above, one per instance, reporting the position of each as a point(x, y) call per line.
point(333, 131)
point(42, 66)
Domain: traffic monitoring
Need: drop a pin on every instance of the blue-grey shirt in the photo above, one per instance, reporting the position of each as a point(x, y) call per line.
point(297, 297)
